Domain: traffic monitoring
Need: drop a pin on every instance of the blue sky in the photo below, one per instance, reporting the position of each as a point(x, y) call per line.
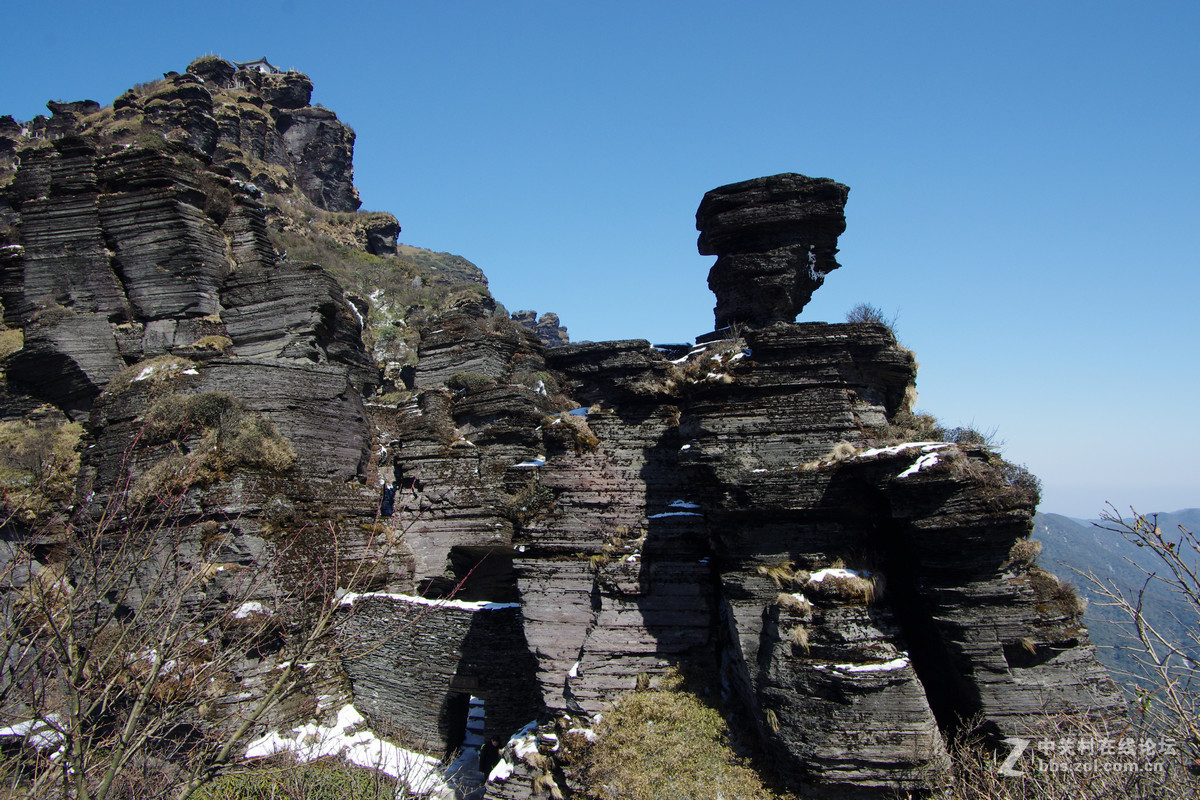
point(1023, 176)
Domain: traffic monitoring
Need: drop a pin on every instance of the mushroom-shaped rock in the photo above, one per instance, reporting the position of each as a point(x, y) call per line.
point(775, 239)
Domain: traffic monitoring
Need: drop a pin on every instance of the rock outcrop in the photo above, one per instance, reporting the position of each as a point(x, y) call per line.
point(548, 327)
point(775, 239)
point(561, 522)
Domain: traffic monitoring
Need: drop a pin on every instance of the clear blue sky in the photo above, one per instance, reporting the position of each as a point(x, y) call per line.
point(1024, 176)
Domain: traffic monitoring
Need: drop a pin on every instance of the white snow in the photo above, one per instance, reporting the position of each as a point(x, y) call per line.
point(531, 463)
point(38, 733)
point(926, 447)
point(574, 670)
point(150, 370)
point(524, 745)
point(686, 447)
point(886, 666)
point(248, 608)
point(835, 572)
point(348, 598)
point(588, 733)
point(927, 460)
point(361, 747)
point(362, 323)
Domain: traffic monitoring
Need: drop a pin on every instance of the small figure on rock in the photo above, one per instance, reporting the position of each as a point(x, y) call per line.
point(387, 506)
point(489, 755)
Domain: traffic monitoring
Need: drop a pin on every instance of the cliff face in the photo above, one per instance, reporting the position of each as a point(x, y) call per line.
point(592, 515)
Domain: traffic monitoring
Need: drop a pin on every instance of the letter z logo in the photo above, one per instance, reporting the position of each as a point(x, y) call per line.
point(1018, 747)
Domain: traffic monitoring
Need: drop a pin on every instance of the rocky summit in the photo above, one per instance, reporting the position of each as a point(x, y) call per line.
point(513, 527)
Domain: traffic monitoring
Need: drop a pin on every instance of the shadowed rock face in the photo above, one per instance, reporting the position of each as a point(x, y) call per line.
point(775, 239)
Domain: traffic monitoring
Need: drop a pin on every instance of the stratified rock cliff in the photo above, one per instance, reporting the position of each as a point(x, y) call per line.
point(563, 521)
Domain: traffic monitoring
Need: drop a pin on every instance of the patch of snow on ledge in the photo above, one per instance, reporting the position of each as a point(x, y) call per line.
point(531, 463)
point(587, 733)
point(501, 772)
point(927, 460)
point(886, 666)
point(248, 608)
point(348, 598)
point(674, 514)
point(683, 504)
point(835, 572)
point(37, 733)
point(362, 747)
point(926, 447)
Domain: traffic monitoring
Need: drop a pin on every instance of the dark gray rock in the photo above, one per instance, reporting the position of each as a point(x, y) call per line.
point(67, 359)
point(548, 328)
point(322, 151)
point(294, 312)
point(381, 231)
point(775, 239)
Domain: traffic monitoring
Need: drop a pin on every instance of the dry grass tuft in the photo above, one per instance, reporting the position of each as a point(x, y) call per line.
point(794, 603)
point(1023, 553)
point(39, 460)
point(782, 574)
point(863, 588)
point(1055, 595)
point(666, 742)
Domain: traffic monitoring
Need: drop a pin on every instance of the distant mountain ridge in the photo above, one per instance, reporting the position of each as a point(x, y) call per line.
point(1071, 546)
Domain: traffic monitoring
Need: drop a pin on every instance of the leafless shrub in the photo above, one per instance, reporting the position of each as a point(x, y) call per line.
point(1053, 765)
point(119, 643)
point(1166, 678)
point(865, 312)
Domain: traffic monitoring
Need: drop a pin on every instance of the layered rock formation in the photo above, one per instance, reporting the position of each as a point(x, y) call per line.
point(548, 327)
point(775, 239)
point(562, 522)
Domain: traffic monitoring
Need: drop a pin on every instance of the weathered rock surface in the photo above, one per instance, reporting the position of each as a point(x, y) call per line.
point(548, 327)
point(775, 239)
point(576, 518)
